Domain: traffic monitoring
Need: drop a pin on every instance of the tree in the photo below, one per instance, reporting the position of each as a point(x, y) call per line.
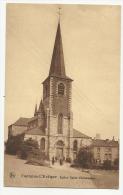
point(85, 157)
point(28, 148)
point(13, 144)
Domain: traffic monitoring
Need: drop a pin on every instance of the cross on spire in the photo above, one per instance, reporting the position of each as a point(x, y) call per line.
point(59, 12)
point(57, 67)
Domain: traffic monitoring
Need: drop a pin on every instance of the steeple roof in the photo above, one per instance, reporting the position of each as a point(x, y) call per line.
point(41, 108)
point(35, 113)
point(57, 67)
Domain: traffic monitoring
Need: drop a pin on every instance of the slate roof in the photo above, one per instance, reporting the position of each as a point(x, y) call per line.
point(105, 143)
point(57, 67)
point(78, 134)
point(38, 131)
point(41, 107)
point(35, 131)
point(57, 63)
point(22, 121)
point(32, 119)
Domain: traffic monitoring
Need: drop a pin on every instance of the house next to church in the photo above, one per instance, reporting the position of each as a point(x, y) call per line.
point(105, 150)
point(52, 123)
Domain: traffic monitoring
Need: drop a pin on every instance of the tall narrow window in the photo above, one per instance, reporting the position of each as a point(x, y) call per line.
point(75, 145)
point(61, 89)
point(42, 144)
point(60, 123)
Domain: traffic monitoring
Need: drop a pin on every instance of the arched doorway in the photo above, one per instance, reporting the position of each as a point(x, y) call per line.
point(59, 149)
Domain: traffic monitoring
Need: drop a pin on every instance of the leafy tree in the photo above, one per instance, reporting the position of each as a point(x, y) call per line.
point(85, 157)
point(28, 148)
point(13, 144)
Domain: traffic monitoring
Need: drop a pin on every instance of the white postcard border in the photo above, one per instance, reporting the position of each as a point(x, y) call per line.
point(31, 191)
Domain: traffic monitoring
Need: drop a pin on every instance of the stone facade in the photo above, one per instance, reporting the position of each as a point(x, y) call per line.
point(19, 127)
point(54, 105)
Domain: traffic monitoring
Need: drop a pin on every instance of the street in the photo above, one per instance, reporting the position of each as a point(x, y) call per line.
point(17, 173)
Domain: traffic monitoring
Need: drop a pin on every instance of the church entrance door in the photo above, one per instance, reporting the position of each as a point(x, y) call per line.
point(59, 150)
point(59, 153)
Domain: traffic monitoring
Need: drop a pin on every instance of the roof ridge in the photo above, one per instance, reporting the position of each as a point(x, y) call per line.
point(78, 133)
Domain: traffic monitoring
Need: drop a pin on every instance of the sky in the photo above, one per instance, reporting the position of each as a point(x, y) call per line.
point(91, 45)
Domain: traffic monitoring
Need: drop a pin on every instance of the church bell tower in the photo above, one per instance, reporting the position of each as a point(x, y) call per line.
point(57, 88)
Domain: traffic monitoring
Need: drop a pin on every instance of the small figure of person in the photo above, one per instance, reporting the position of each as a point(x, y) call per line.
point(61, 161)
point(63, 158)
point(56, 158)
point(53, 160)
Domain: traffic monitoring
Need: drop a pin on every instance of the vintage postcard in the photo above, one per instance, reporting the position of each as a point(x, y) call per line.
point(62, 96)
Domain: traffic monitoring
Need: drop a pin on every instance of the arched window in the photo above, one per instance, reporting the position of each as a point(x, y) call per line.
point(75, 145)
point(60, 143)
point(42, 145)
point(60, 123)
point(61, 89)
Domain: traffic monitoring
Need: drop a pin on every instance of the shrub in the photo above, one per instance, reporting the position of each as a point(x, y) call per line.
point(38, 162)
point(116, 164)
point(28, 149)
point(107, 165)
point(97, 166)
point(74, 165)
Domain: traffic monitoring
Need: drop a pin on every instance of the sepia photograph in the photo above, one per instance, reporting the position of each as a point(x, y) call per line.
point(62, 96)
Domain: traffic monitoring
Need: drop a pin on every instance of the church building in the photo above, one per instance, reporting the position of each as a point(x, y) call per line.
point(52, 123)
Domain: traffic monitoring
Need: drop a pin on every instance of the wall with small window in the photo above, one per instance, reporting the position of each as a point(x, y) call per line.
point(42, 140)
point(105, 153)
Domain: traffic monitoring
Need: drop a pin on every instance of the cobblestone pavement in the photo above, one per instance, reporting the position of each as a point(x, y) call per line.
point(17, 173)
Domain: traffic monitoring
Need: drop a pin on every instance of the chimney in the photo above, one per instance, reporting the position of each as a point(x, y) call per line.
point(113, 139)
point(97, 136)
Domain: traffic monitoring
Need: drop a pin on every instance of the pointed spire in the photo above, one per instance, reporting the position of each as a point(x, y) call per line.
point(57, 67)
point(35, 113)
point(41, 107)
